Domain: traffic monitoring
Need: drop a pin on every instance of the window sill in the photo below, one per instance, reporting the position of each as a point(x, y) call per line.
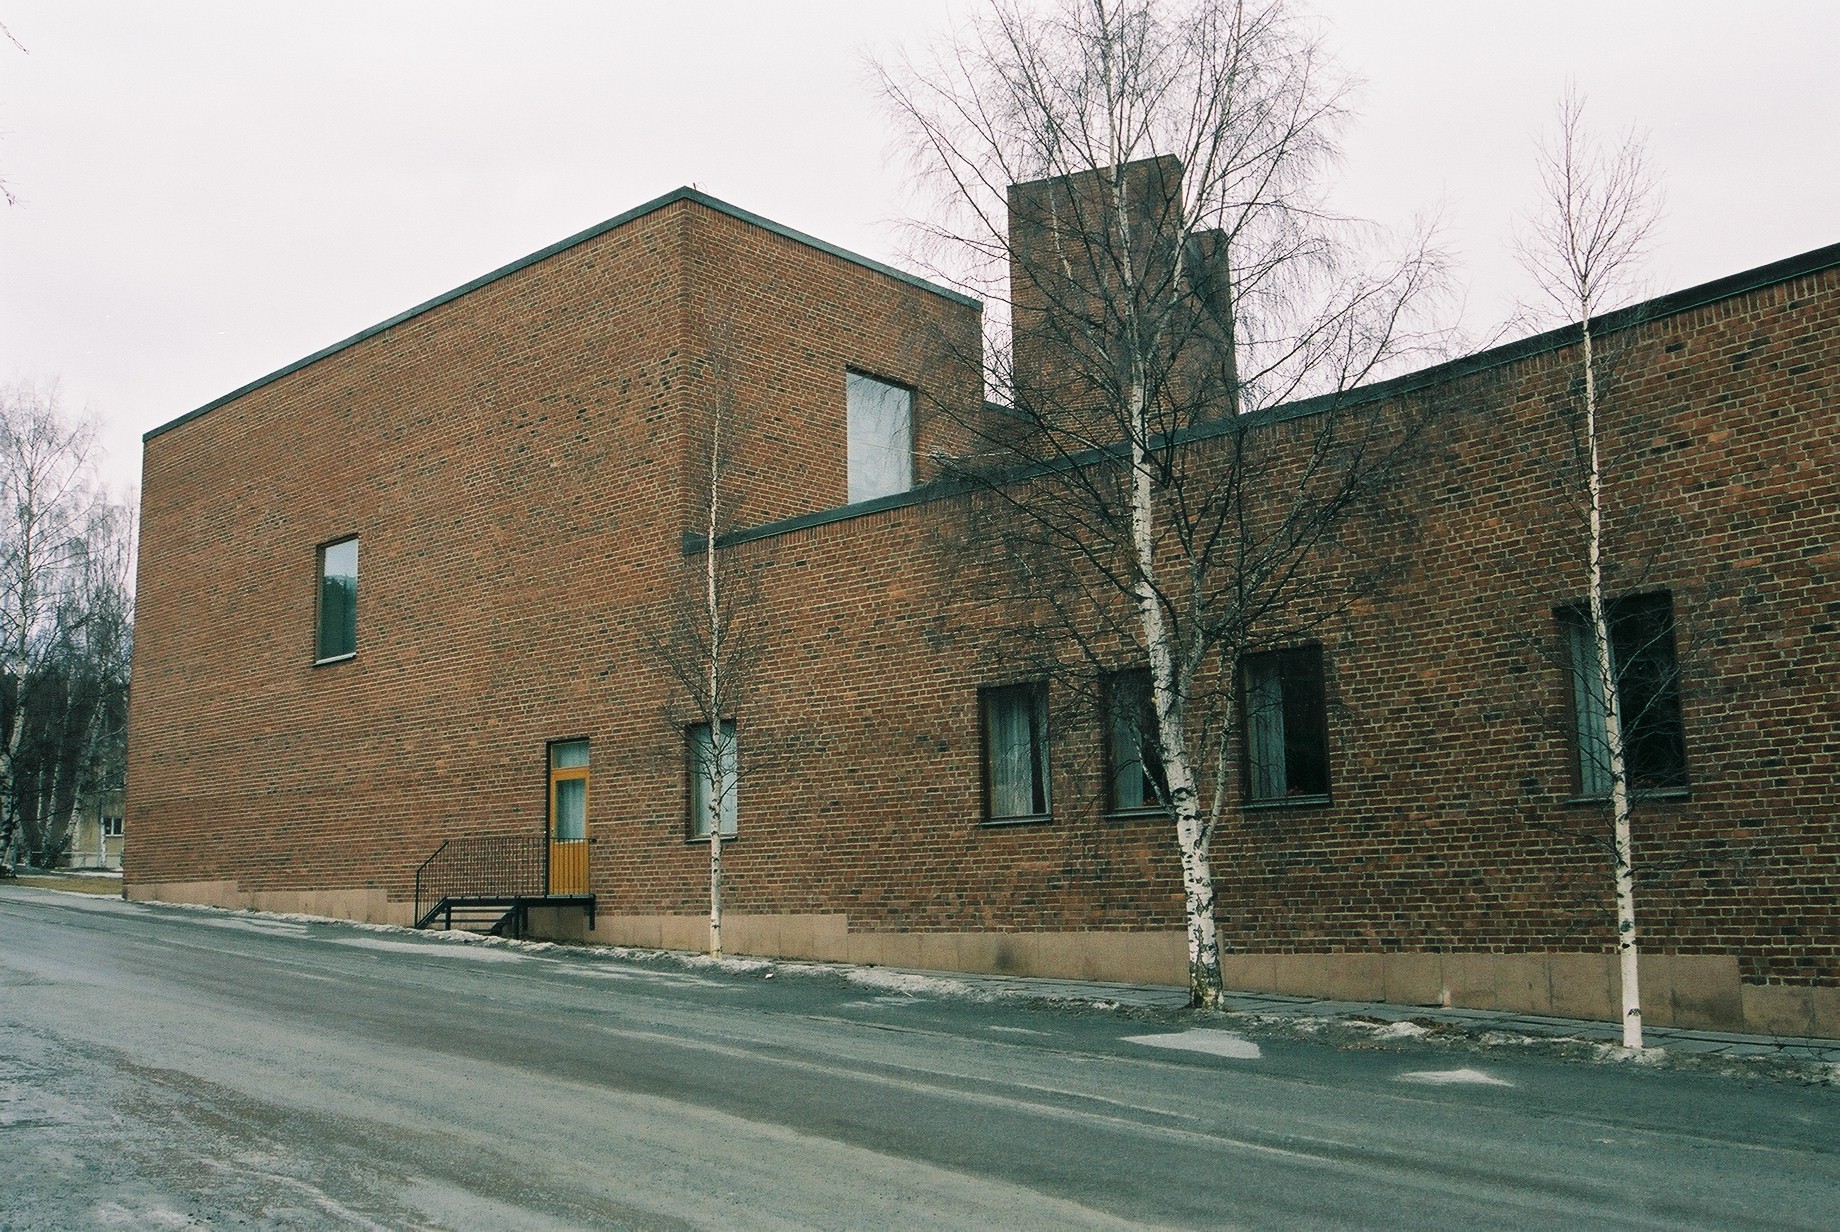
point(329, 660)
point(1635, 797)
point(1143, 812)
point(1035, 819)
point(1265, 806)
point(702, 840)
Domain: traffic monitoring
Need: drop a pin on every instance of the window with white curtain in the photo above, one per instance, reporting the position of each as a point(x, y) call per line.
point(1285, 725)
point(1015, 722)
point(727, 761)
point(1133, 751)
point(881, 437)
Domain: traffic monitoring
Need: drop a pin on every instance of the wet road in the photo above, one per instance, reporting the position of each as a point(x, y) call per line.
point(162, 1067)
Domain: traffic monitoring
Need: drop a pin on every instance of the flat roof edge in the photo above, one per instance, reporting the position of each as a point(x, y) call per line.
point(563, 245)
point(1645, 312)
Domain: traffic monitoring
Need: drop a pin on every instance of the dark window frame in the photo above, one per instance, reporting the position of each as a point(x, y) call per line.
point(913, 433)
point(1646, 663)
point(1129, 688)
point(1302, 714)
point(694, 742)
point(347, 646)
point(1034, 693)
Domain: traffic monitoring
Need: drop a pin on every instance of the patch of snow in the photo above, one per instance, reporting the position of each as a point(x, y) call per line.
point(1405, 1028)
point(115, 1215)
point(432, 949)
point(1454, 1077)
point(911, 983)
point(733, 966)
point(1203, 1039)
point(1015, 1030)
point(257, 924)
point(1635, 1056)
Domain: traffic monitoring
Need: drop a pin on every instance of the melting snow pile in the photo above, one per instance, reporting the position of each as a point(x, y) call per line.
point(1204, 1039)
point(1454, 1077)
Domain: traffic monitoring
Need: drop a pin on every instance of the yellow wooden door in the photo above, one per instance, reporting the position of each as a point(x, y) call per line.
point(568, 818)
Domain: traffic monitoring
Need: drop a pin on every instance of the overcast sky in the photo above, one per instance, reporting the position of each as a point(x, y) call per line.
point(209, 191)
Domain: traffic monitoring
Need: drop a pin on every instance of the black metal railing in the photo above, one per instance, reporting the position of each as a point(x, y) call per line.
point(507, 866)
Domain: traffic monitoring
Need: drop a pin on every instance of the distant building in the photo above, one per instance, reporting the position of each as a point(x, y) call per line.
point(404, 593)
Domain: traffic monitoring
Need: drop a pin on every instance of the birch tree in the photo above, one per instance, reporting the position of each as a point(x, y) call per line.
point(48, 503)
point(1134, 188)
point(1583, 247)
point(707, 650)
point(6, 191)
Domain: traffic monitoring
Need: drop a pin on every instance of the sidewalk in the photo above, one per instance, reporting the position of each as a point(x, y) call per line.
point(1475, 1022)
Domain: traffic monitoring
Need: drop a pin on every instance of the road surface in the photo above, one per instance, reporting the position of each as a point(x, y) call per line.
point(172, 1068)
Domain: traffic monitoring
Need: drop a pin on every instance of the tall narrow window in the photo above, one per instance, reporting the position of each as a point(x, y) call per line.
point(338, 600)
point(568, 791)
point(1647, 692)
point(881, 437)
point(1133, 752)
point(1287, 738)
point(1015, 719)
point(727, 762)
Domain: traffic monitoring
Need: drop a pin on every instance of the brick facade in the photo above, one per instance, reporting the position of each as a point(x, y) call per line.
point(519, 459)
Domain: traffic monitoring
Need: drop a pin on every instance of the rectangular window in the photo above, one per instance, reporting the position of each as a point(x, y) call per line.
point(338, 600)
point(1286, 725)
point(1015, 721)
point(881, 447)
point(1133, 752)
point(568, 791)
point(111, 827)
point(1647, 692)
point(727, 761)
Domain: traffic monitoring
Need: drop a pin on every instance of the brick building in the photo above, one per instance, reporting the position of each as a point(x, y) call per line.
point(412, 588)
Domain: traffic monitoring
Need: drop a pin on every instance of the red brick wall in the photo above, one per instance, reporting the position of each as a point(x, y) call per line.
point(517, 466)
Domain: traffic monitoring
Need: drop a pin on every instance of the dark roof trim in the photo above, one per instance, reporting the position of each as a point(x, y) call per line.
point(563, 245)
point(1647, 312)
point(693, 543)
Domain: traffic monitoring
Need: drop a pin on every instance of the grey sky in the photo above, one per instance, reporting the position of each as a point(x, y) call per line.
point(210, 191)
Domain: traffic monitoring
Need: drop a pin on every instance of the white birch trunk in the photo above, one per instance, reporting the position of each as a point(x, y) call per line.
point(1623, 856)
point(713, 716)
point(1192, 831)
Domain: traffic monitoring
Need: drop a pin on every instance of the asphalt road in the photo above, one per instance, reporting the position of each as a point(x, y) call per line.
point(169, 1068)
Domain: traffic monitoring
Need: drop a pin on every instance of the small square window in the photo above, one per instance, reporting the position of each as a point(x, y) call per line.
point(881, 437)
point(1647, 693)
point(727, 763)
point(1015, 722)
point(338, 600)
point(1286, 725)
point(1133, 750)
point(111, 827)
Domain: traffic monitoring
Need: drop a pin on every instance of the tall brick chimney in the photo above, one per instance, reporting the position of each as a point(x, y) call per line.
point(1071, 238)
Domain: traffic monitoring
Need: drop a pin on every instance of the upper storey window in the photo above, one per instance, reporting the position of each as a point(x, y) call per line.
point(338, 600)
point(881, 437)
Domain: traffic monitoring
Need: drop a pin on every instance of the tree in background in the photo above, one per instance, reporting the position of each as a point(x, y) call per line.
point(66, 624)
point(1583, 246)
point(1135, 186)
point(6, 192)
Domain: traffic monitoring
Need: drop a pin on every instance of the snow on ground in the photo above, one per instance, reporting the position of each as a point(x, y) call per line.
point(913, 984)
point(1454, 1077)
point(1203, 1039)
point(1403, 1029)
point(259, 924)
point(481, 953)
point(80, 901)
